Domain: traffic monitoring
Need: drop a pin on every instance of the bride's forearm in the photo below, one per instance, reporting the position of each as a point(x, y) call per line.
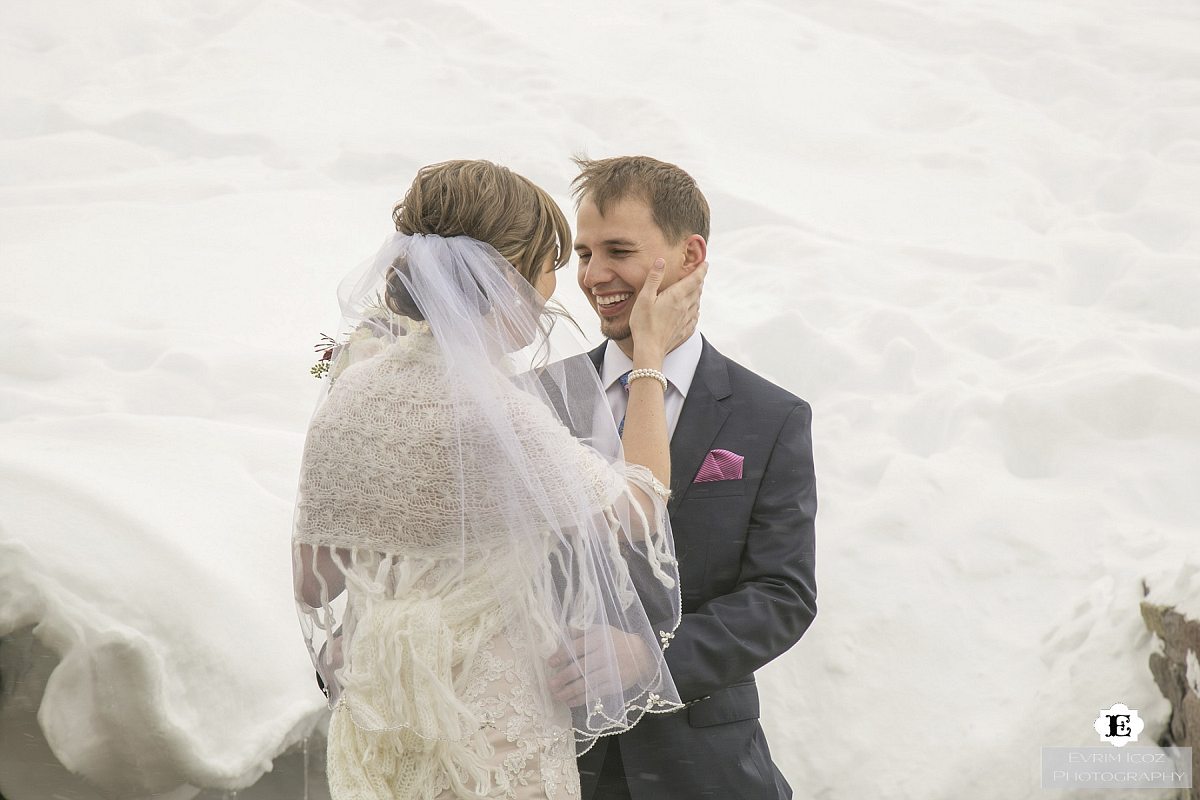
point(645, 440)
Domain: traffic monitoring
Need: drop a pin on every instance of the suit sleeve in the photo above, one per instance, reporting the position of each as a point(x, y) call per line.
point(775, 598)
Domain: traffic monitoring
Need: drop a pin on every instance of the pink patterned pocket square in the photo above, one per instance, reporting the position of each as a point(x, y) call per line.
point(720, 465)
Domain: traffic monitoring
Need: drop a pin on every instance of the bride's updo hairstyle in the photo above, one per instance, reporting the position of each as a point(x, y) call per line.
point(484, 201)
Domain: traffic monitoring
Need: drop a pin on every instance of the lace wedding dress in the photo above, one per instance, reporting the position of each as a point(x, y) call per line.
point(436, 652)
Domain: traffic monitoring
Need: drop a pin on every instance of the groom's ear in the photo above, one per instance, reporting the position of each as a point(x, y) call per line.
point(695, 251)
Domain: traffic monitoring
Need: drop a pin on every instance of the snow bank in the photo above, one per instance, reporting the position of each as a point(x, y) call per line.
point(965, 233)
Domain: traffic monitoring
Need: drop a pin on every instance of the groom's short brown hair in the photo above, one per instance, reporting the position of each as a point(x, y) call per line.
point(676, 202)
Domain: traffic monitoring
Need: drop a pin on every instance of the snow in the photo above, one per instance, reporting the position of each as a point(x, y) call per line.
point(965, 232)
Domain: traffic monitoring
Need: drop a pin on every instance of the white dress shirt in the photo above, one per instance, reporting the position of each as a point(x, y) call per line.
point(679, 367)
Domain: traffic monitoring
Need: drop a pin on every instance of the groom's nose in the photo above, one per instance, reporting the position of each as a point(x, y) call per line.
point(594, 274)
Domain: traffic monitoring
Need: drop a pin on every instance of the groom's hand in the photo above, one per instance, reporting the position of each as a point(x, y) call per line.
point(573, 672)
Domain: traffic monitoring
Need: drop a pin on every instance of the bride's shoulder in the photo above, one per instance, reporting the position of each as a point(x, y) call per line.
point(531, 413)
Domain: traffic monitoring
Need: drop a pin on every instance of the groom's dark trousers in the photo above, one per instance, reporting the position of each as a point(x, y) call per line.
point(746, 552)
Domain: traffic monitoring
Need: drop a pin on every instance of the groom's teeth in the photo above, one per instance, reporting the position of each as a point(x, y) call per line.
point(613, 298)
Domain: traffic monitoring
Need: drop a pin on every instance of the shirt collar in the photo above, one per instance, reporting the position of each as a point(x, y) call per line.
point(679, 366)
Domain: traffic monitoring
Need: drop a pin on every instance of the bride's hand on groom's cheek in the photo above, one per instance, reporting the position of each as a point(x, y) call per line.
point(662, 319)
point(685, 295)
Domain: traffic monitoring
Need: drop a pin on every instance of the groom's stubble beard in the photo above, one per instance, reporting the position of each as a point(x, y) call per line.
point(615, 329)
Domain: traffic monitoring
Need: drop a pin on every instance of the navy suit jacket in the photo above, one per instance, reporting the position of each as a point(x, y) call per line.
point(746, 552)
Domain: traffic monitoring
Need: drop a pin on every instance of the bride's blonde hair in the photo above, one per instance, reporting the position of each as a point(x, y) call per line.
point(487, 202)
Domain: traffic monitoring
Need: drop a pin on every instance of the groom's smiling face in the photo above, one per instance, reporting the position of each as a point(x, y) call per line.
point(616, 251)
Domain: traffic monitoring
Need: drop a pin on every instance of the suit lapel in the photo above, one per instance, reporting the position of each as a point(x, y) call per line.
point(597, 357)
point(704, 412)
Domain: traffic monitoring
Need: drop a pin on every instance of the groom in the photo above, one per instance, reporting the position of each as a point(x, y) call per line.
point(742, 507)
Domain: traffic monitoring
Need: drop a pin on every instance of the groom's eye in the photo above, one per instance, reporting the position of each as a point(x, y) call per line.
point(620, 253)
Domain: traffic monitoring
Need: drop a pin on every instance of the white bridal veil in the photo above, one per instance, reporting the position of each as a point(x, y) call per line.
point(461, 480)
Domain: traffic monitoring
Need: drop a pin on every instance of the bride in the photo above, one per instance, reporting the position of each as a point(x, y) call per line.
point(484, 568)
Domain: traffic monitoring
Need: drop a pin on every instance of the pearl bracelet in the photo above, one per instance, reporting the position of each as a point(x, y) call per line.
point(648, 373)
point(660, 489)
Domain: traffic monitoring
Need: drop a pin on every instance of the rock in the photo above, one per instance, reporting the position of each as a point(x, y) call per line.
point(1179, 636)
point(1152, 615)
point(1191, 722)
point(1167, 679)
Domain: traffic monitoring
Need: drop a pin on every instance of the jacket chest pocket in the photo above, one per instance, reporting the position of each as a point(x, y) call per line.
point(697, 491)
